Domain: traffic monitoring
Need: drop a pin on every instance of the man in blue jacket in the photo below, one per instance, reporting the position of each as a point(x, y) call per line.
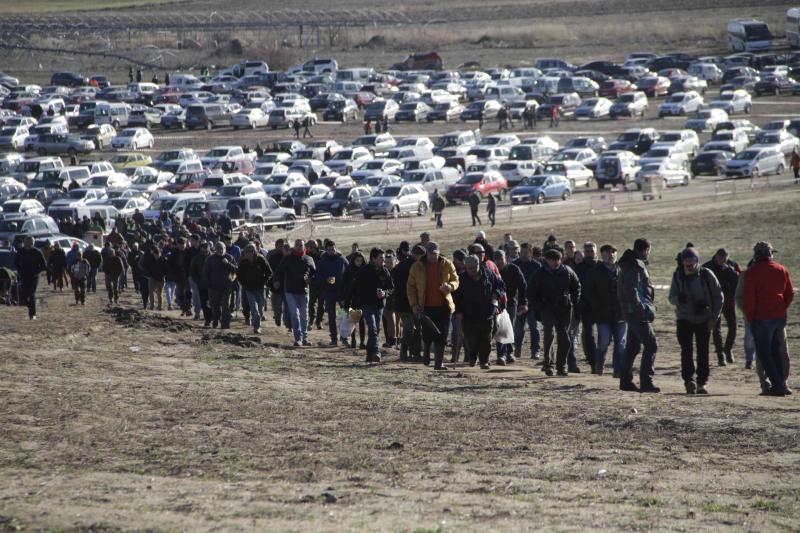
point(330, 276)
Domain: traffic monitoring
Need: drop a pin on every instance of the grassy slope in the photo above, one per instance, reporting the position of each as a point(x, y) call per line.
point(59, 6)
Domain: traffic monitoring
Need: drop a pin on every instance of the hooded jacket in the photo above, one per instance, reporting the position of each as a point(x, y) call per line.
point(634, 290)
point(418, 280)
point(728, 278)
point(331, 267)
point(697, 298)
point(554, 291)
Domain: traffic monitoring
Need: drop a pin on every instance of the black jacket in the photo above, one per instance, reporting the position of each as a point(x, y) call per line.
point(295, 273)
point(600, 290)
point(367, 281)
point(196, 268)
point(528, 268)
point(175, 269)
point(94, 258)
point(57, 261)
point(475, 299)
point(400, 280)
point(728, 279)
point(217, 272)
point(516, 286)
point(255, 274)
point(29, 263)
point(554, 291)
point(349, 295)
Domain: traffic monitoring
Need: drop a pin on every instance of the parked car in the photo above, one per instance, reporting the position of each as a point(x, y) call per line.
point(635, 140)
point(566, 103)
point(133, 139)
point(727, 141)
point(654, 86)
point(684, 141)
point(251, 118)
point(615, 87)
point(484, 183)
point(304, 198)
point(397, 199)
point(446, 112)
point(341, 110)
point(710, 162)
point(517, 170)
point(208, 116)
point(342, 201)
point(174, 119)
point(59, 143)
point(377, 143)
point(593, 108)
point(13, 137)
point(681, 104)
point(381, 110)
point(755, 162)
point(412, 112)
point(782, 141)
point(349, 159)
point(99, 135)
point(670, 173)
point(775, 85)
point(433, 179)
point(486, 109)
point(629, 105)
point(124, 160)
point(732, 102)
point(541, 188)
point(616, 167)
point(598, 144)
point(576, 173)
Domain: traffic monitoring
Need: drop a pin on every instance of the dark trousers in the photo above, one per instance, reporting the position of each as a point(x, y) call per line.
point(410, 344)
point(91, 283)
point(330, 308)
point(729, 314)
point(441, 317)
point(769, 349)
point(491, 215)
point(528, 318)
point(478, 339)
point(438, 217)
point(556, 327)
point(219, 300)
point(28, 294)
point(207, 314)
point(79, 286)
point(144, 289)
point(277, 306)
point(640, 334)
point(362, 331)
point(689, 336)
point(588, 337)
point(507, 349)
point(112, 286)
point(476, 218)
point(183, 295)
point(316, 305)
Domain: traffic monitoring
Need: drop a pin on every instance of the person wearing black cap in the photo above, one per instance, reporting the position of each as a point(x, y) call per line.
point(553, 293)
point(636, 296)
point(697, 297)
point(431, 282)
point(551, 243)
point(728, 278)
point(410, 340)
point(601, 292)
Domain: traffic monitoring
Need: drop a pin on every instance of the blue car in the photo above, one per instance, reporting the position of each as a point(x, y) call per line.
point(540, 188)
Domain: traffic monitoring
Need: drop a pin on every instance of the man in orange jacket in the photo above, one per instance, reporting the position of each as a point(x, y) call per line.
point(768, 292)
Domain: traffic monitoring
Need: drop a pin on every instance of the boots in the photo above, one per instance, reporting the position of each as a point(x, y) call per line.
point(721, 359)
point(729, 357)
point(403, 352)
point(438, 362)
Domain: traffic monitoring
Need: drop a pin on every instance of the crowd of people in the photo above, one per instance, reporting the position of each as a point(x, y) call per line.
point(479, 301)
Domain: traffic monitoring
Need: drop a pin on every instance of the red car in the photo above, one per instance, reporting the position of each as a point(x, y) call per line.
point(488, 182)
point(614, 88)
point(187, 181)
point(654, 86)
point(420, 61)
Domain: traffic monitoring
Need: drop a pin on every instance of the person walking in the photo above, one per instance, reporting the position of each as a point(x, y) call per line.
point(491, 208)
point(306, 125)
point(555, 116)
point(29, 263)
point(516, 301)
point(330, 278)
point(636, 296)
point(601, 292)
point(294, 274)
point(697, 297)
point(502, 117)
point(528, 264)
point(219, 271)
point(410, 347)
point(274, 258)
point(254, 275)
point(372, 286)
point(57, 266)
point(156, 272)
point(350, 301)
point(727, 274)
point(296, 128)
point(79, 272)
point(196, 273)
point(113, 267)
point(95, 261)
point(474, 201)
point(554, 293)
point(431, 283)
point(796, 164)
point(588, 337)
point(437, 206)
point(768, 293)
point(477, 301)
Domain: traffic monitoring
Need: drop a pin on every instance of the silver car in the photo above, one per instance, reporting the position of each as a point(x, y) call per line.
point(395, 200)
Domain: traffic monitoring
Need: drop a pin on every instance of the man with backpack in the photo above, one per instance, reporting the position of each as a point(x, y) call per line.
point(697, 297)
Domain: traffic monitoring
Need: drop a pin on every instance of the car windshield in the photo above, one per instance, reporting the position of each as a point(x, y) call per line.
point(577, 142)
point(299, 192)
point(76, 194)
point(626, 98)
point(726, 96)
point(163, 204)
point(390, 191)
point(533, 182)
point(658, 152)
point(365, 140)
point(670, 137)
point(747, 155)
point(703, 114)
point(375, 164)
point(213, 182)
point(28, 166)
point(343, 155)
point(120, 158)
point(651, 168)
point(447, 141)
point(168, 156)
point(119, 203)
point(554, 168)
point(146, 179)
point(338, 194)
point(12, 207)
point(471, 179)
point(722, 136)
point(218, 152)
point(10, 226)
point(101, 181)
point(229, 190)
point(675, 99)
point(8, 131)
point(442, 107)
point(126, 133)
point(481, 153)
point(278, 179)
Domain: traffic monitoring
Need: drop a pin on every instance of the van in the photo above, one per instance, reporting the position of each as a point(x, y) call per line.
point(186, 82)
point(114, 113)
point(58, 178)
point(460, 141)
point(29, 168)
point(358, 75)
point(433, 180)
point(207, 116)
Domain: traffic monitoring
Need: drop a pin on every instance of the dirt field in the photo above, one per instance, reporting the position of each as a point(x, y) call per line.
point(148, 422)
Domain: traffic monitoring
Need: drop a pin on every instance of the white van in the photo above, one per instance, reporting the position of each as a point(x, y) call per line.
point(358, 75)
point(181, 166)
point(174, 204)
point(246, 68)
point(114, 113)
point(187, 82)
point(460, 141)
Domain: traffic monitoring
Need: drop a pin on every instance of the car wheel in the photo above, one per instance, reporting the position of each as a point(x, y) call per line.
point(345, 212)
point(72, 152)
point(422, 209)
point(685, 182)
point(396, 211)
point(274, 127)
point(572, 184)
point(601, 185)
point(115, 124)
point(665, 184)
point(289, 222)
point(150, 145)
point(719, 171)
point(780, 170)
point(235, 128)
point(258, 220)
point(589, 183)
point(209, 125)
point(565, 195)
point(747, 110)
point(540, 198)
point(777, 91)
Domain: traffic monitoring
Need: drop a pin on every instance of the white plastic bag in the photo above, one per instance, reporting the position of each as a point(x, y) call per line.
point(505, 330)
point(346, 324)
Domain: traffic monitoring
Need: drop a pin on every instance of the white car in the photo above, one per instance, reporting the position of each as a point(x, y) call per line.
point(544, 141)
point(418, 141)
point(732, 102)
point(727, 141)
point(397, 199)
point(221, 153)
point(586, 156)
point(681, 104)
point(150, 181)
point(115, 180)
point(350, 159)
point(128, 206)
point(782, 141)
point(504, 139)
point(670, 173)
point(80, 197)
point(132, 139)
point(577, 174)
point(514, 171)
point(251, 118)
point(706, 119)
point(13, 136)
point(278, 184)
point(21, 209)
point(685, 141)
point(664, 151)
point(593, 108)
point(377, 166)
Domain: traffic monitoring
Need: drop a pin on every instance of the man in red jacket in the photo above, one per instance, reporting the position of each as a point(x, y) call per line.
point(768, 292)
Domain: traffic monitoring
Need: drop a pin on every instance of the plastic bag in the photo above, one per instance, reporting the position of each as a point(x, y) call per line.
point(505, 330)
point(346, 324)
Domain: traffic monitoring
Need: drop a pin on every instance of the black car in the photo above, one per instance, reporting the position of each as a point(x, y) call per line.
point(710, 163)
point(566, 103)
point(68, 79)
point(774, 85)
point(207, 116)
point(323, 100)
point(342, 201)
point(46, 195)
point(605, 67)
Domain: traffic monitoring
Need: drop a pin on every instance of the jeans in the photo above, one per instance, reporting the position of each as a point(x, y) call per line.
point(730, 322)
point(298, 312)
point(574, 334)
point(475, 217)
point(456, 336)
point(219, 302)
point(689, 333)
point(491, 215)
point(204, 305)
point(28, 293)
point(276, 299)
point(91, 283)
point(438, 217)
point(640, 334)
point(372, 317)
point(196, 301)
point(588, 338)
point(556, 327)
point(605, 333)
point(256, 301)
point(169, 290)
point(528, 318)
point(144, 290)
point(769, 349)
point(112, 286)
point(749, 344)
